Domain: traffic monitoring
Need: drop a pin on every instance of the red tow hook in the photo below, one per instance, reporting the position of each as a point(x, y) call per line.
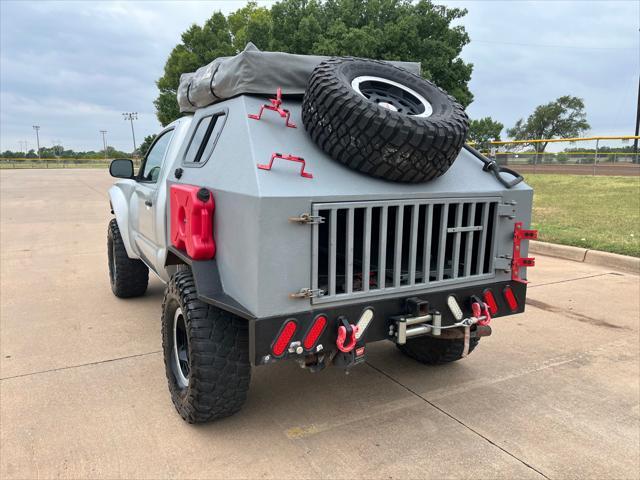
point(344, 330)
point(480, 310)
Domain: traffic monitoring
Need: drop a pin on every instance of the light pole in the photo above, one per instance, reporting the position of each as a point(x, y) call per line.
point(104, 142)
point(131, 116)
point(37, 129)
point(635, 141)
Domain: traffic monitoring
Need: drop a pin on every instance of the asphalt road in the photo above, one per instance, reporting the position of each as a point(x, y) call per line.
point(554, 393)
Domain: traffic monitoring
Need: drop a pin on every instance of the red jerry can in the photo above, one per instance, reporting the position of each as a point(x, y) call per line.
point(192, 221)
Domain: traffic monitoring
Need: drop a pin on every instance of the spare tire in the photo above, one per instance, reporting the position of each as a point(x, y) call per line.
point(382, 120)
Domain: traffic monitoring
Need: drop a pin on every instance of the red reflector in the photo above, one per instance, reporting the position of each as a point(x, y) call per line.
point(490, 300)
point(314, 333)
point(284, 338)
point(510, 298)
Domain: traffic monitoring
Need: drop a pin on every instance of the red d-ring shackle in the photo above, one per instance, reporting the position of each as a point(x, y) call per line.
point(478, 310)
point(342, 336)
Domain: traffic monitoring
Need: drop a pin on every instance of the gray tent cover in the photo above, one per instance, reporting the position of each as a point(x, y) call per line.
point(252, 71)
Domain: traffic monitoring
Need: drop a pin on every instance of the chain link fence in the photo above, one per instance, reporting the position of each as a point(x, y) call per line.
point(580, 156)
point(58, 163)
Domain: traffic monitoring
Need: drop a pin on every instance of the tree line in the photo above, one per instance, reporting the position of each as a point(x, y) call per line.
point(564, 117)
point(382, 29)
point(58, 151)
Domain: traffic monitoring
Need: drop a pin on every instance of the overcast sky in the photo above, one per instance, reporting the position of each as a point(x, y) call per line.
point(74, 67)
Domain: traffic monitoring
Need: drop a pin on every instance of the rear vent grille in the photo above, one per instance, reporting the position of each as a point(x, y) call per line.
point(373, 248)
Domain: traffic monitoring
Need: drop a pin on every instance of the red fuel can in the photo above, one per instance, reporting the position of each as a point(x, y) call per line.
point(192, 211)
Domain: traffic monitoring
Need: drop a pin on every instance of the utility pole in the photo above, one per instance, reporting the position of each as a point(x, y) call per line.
point(37, 129)
point(104, 142)
point(131, 116)
point(635, 141)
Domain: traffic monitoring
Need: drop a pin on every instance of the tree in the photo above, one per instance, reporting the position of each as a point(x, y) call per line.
point(382, 29)
point(146, 143)
point(563, 118)
point(483, 131)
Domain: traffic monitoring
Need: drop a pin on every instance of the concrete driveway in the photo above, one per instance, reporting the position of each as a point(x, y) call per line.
point(554, 393)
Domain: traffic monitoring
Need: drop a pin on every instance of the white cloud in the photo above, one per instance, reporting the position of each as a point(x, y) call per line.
point(73, 67)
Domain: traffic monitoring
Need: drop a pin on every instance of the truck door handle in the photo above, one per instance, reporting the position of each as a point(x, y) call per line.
point(148, 203)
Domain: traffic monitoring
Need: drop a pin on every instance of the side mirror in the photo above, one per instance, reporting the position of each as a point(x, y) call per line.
point(121, 168)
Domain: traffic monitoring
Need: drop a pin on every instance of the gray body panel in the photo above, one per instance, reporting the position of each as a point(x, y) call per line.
point(261, 256)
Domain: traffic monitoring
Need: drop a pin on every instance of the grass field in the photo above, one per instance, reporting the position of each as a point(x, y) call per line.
point(602, 213)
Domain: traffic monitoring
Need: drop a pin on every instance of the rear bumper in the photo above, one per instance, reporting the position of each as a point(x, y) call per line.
point(263, 332)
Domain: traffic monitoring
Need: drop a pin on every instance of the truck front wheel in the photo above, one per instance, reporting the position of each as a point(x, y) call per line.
point(206, 354)
point(436, 351)
point(129, 277)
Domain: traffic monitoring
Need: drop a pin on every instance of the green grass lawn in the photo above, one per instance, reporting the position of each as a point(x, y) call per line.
point(601, 213)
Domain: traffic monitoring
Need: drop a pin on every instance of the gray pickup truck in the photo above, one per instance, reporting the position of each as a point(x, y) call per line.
point(307, 225)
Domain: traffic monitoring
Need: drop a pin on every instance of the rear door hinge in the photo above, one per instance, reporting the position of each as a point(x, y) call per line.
point(503, 263)
point(507, 209)
point(307, 219)
point(307, 293)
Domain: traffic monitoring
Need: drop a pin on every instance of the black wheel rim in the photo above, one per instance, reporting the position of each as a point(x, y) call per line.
point(392, 96)
point(180, 350)
point(113, 269)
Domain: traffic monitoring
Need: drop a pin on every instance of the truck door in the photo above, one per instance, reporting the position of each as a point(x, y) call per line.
point(144, 197)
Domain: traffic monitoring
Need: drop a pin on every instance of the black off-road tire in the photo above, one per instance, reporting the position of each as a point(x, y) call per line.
point(395, 145)
point(436, 351)
point(128, 277)
point(219, 371)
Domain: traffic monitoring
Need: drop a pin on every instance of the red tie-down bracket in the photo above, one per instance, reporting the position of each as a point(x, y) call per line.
point(518, 262)
point(275, 107)
point(291, 158)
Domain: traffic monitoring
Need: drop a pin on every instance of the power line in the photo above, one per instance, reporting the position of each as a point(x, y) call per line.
point(542, 45)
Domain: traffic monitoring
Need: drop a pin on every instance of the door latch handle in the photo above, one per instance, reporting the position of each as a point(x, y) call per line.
point(148, 203)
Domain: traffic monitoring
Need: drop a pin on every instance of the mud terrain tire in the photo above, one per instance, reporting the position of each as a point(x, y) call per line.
point(128, 277)
point(212, 349)
point(400, 141)
point(436, 351)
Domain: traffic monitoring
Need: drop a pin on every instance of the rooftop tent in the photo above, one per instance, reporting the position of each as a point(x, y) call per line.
point(252, 72)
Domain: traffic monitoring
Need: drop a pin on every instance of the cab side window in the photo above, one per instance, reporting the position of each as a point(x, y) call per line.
point(152, 165)
point(204, 138)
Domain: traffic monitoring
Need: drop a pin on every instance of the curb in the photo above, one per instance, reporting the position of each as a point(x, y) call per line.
point(584, 255)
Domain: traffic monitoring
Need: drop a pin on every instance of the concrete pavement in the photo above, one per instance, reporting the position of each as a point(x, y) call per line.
point(554, 393)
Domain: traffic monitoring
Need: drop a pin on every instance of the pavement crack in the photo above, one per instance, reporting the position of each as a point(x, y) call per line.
point(572, 279)
point(90, 187)
point(441, 410)
point(81, 365)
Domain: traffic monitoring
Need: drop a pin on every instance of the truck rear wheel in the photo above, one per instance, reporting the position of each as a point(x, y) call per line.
point(129, 277)
point(382, 120)
point(436, 351)
point(206, 354)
